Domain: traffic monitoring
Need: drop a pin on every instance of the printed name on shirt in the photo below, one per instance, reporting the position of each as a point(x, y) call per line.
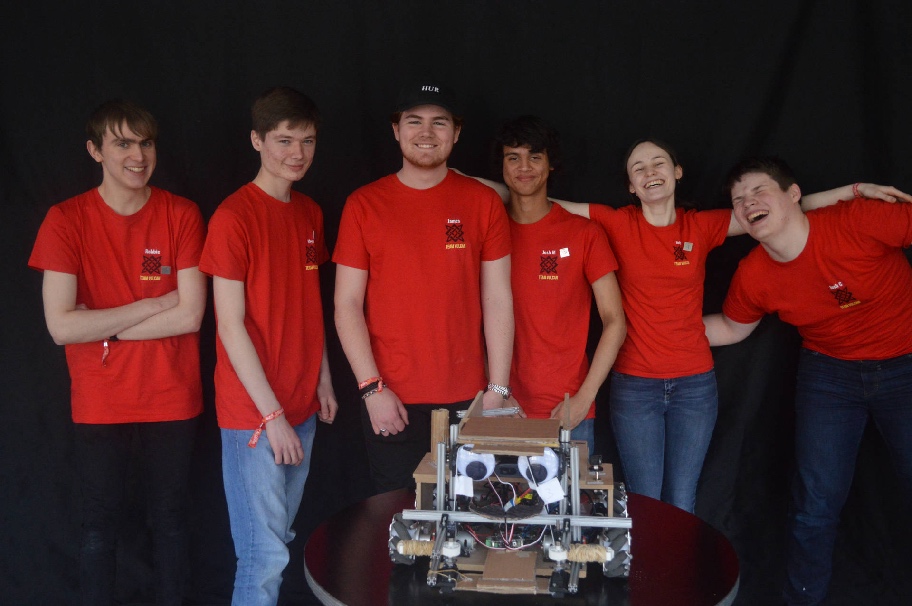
point(455, 237)
point(843, 296)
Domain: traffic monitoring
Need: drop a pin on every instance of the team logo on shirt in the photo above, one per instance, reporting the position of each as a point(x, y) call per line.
point(152, 268)
point(843, 295)
point(548, 266)
point(680, 250)
point(455, 237)
point(311, 255)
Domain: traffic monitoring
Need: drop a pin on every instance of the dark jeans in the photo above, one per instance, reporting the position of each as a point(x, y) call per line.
point(393, 459)
point(103, 453)
point(833, 401)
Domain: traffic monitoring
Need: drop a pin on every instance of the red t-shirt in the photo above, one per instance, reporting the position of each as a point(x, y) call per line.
point(276, 249)
point(848, 290)
point(118, 260)
point(555, 261)
point(661, 278)
point(423, 251)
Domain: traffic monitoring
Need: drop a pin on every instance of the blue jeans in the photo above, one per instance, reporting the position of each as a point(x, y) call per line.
point(663, 428)
point(833, 401)
point(263, 499)
point(585, 432)
point(103, 455)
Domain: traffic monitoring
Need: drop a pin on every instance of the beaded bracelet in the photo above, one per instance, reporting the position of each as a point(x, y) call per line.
point(368, 394)
point(855, 190)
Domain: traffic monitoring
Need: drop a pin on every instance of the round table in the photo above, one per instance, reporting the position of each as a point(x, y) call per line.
point(677, 559)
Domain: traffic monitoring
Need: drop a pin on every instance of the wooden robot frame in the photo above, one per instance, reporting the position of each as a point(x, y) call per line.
point(547, 475)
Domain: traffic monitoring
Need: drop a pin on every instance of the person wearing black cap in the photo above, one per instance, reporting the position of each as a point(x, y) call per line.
point(423, 300)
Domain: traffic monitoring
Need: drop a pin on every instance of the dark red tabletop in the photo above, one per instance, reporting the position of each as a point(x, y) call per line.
point(677, 559)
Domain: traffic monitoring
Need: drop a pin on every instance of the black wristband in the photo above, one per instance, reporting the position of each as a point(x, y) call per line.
point(370, 388)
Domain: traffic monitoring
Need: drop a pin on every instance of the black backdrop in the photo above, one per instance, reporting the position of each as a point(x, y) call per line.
point(824, 84)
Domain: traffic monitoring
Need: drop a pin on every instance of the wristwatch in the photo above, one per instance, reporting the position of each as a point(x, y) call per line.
point(506, 392)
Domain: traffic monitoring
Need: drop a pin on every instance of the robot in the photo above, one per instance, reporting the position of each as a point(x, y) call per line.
point(511, 505)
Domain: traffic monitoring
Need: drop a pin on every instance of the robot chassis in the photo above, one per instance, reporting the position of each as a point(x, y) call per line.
point(535, 461)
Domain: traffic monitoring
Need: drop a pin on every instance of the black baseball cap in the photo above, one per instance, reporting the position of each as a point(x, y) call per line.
point(428, 92)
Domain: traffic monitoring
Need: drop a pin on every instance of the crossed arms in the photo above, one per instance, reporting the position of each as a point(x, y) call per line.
point(175, 313)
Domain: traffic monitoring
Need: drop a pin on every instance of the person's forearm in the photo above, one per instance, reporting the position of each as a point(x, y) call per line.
point(325, 392)
point(182, 319)
point(179, 320)
point(497, 310)
point(872, 191)
point(715, 330)
point(613, 335)
point(247, 365)
point(325, 374)
point(88, 325)
point(722, 330)
point(499, 342)
point(827, 198)
point(352, 330)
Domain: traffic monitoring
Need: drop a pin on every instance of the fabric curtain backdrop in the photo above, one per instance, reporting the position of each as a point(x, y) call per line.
point(824, 85)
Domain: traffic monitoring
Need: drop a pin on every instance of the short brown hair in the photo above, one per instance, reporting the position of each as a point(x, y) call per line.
point(281, 104)
point(112, 115)
point(773, 166)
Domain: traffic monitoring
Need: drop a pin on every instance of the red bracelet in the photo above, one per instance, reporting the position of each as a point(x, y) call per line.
point(855, 190)
point(367, 382)
point(256, 434)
